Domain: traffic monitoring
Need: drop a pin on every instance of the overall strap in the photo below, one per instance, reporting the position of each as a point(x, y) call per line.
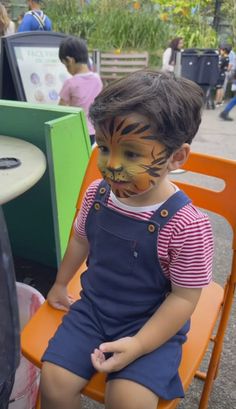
point(103, 191)
point(162, 215)
point(170, 208)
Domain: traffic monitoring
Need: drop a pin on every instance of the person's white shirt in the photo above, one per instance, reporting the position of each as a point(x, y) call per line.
point(232, 60)
point(11, 29)
point(166, 66)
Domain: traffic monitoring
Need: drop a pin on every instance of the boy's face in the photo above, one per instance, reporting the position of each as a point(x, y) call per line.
point(130, 159)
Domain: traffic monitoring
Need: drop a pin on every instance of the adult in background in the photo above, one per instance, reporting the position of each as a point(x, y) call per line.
point(35, 19)
point(7, 26)
point(169, 57)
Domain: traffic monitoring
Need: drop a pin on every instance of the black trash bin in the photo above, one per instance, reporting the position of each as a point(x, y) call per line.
point(202, 67)
point(208, 68)
point(189, 64)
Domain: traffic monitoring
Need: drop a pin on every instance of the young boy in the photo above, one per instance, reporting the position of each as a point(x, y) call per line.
point(84, 85)
point(148, 249)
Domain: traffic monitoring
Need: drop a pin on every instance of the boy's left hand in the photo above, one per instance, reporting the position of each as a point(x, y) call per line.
point(124, 351)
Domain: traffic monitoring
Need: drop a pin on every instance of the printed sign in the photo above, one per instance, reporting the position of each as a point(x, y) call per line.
point(42, 73)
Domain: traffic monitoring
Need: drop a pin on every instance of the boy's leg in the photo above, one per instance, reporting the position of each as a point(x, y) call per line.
point(59, 388)
point(125, 394)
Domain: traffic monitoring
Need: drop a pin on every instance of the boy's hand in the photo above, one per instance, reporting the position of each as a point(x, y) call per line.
point(58, 297)
point(125, 350)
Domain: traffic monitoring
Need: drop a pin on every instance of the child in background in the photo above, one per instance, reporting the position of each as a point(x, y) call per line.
point(149, 252)
point(85, 85)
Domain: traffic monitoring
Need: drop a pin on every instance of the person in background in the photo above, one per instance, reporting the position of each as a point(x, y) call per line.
point(225, 114)
point(35, 19)
point(81, 89)
point(230, 73)
point(170, 54)
point(7, 27)
point(223, 69)
point(148, 249)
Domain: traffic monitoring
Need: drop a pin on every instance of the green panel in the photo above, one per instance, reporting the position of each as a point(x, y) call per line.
point(29, 220)
point(30, 217)
point(68, 154)
point(26, 121)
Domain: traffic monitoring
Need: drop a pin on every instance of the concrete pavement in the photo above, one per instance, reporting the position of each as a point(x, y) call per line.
point(215, 137)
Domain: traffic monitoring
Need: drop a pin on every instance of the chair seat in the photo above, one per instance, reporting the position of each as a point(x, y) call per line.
point(46, 320)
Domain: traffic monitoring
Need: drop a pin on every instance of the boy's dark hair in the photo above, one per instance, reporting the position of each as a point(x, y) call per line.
point(75, 48)
point(173, 105)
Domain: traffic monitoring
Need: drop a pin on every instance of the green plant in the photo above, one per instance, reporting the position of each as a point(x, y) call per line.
point(190, 19)
point(111, 24)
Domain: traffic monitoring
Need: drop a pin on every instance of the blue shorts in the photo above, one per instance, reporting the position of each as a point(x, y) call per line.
point(81, 332)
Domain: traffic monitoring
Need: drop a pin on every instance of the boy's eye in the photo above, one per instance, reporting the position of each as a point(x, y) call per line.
point(103, 149)
point(131, 155)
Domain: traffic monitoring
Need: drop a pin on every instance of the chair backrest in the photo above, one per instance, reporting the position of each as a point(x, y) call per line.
point(218, 201)
point(221, 201)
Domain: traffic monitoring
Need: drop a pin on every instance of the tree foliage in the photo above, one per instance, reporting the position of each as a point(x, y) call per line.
point(191, 20)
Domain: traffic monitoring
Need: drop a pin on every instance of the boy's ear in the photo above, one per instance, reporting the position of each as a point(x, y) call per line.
point(179, 157)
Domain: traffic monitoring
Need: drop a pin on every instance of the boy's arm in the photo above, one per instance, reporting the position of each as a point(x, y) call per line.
point(170, 317)
point(76, 253)
point(164, 323)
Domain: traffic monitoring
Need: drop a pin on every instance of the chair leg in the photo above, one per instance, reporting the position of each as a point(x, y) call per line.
point(217, 349)
point(208, 385)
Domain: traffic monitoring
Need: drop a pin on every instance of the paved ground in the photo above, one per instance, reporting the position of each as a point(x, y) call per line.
point(215, 137)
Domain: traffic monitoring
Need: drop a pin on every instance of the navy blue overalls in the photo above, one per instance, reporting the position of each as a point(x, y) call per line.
point(122, 287)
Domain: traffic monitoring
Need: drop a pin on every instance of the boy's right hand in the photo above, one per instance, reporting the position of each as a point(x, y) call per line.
point(58, 297)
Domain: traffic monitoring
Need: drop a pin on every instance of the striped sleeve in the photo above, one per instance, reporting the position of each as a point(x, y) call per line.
point(88, 199)
point(187, 260)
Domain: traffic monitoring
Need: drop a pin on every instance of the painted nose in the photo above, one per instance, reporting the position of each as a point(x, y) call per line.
point(114, 164)
point(114, 169)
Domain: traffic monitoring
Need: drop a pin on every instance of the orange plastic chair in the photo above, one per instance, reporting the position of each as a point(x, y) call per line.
point(214, 305)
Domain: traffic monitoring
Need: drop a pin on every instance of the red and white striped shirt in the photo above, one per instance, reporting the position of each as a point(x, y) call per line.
point(184, 245)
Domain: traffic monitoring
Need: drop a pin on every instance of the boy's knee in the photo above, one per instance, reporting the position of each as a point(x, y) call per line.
point(125, 394)
point(57, 383)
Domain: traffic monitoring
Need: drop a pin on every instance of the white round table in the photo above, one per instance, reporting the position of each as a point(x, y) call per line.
point(29, 162)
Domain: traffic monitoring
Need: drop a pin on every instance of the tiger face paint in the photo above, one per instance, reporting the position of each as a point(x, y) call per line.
point(130, 158)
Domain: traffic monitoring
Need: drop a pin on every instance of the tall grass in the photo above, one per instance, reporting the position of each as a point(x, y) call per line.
point(109, 25)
